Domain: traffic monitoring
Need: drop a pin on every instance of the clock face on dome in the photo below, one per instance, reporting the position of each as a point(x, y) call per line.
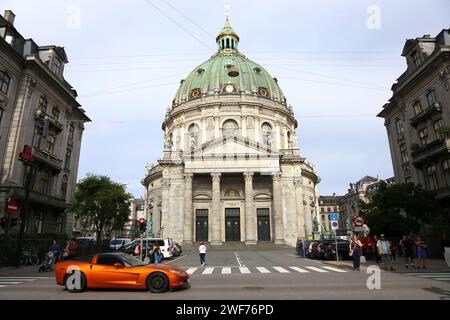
point(229, 88)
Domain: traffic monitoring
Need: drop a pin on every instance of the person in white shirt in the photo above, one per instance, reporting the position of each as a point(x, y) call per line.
point(202, 252)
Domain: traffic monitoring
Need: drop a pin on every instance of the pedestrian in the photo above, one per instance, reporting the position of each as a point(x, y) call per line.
point(369, 247)
point(384, 251)
point(401, 245)
point(355, 251)
point(375, 249)
point(393, 249)
point(202, 253)
point(156, 252)
point(421, 252)
point(300, 247)
point(71, 249)
point(409, 252)
point(55, 247)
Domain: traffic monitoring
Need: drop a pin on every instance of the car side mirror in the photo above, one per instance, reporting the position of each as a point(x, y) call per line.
point(118, 265)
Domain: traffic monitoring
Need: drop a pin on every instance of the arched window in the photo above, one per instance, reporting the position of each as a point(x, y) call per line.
point(193, 135)
point(266, 130)
point(65, 181)
point(289, 140)
point(229, 128)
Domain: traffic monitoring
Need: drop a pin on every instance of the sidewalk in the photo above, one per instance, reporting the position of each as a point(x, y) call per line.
point(432, 266)
point(28, 271)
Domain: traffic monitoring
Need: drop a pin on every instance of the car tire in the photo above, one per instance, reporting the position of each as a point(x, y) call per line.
point(158, 282)
point(83, 284)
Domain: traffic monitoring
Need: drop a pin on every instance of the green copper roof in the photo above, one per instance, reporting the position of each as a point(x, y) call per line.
point(228, 72)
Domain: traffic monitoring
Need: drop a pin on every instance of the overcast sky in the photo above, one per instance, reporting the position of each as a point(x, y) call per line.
point(335, 61)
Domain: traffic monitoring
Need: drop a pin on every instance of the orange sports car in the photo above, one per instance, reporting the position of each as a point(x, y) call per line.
point(118, 270)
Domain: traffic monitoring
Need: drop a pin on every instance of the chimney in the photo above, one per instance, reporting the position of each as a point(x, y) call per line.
point(334, 194)
point(9, 16)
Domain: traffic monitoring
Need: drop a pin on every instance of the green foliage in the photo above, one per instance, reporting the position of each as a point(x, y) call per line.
point(101, 204)
point(401, 208)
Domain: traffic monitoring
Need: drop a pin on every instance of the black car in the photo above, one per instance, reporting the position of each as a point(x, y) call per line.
point(329, 251)
point(311, 250)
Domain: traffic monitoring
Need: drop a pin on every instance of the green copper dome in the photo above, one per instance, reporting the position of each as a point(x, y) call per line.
point(228, 72)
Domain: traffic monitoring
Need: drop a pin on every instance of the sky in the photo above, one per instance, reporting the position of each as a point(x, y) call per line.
point(335, 61)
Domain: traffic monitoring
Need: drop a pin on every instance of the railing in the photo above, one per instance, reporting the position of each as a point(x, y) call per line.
point(429, 150)
point(428, 112)
point(47, 158)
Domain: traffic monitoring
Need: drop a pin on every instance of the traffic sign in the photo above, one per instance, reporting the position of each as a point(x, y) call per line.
point(334, 216)
point(359, 221)
point(334, 225)
point(12, 207)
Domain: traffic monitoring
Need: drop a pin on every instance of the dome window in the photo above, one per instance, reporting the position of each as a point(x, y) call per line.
point(200, 71)
point(264, 92)
point(230, 128)
point(195, 93)
point(232, 70)
point(257, 70)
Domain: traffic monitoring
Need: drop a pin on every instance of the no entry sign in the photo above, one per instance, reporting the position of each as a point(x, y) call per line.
point(359, 221)
point(12, 207)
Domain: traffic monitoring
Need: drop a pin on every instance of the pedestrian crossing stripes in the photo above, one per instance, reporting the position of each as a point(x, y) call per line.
point(434, 276)
point(10, 281)
point(259, 270)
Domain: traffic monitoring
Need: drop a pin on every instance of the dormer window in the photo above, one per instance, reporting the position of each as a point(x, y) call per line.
point(4, 82)
point(415, 57)
point(56, 66)
point(42, 105)
point(431, 98)
point(55, 113)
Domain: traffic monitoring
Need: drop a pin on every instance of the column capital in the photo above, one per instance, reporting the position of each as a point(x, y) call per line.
point(188, 177)
point(165, 184)
point(298, 182)
point(216, 176)
point(248, 176)
point(276, 176)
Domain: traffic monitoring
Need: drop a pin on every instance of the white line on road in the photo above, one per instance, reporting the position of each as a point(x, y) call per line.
point(314, 261)
point(169, 262)
point(239, 260)
point(299, 269)
point(334, 269)
point(292, 255)
point(6, 283)
point(244, 270)
point(191, 270)
point(25, 277)
point(441, 279)
point(262, 270)
point(226, 270)
point(208, 271)
point(16, 279)
point(428, 274)
point(281, 270)
point(316, 269)
point(2, 286)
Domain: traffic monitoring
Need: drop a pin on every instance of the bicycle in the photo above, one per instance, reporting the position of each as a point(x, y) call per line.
point(27, 257)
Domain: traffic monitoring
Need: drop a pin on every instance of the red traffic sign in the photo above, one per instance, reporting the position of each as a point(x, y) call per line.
point(12, 207)
point(334, 225)
point(27, 153)
point(359, 221)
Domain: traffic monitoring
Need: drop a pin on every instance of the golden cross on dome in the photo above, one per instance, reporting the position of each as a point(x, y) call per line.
point(227, 11)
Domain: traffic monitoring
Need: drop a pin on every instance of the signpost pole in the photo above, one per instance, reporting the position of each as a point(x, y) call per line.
point(335, 239)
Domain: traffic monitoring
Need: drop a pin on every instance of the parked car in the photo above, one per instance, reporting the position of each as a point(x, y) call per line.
point(165, 244)
point(309, 248)
point(319, 248)
point(177, 250)
point(116, 243)
point(115, 270)
point(343, 251)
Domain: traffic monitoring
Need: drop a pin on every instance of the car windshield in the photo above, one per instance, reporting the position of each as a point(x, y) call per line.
point(131, 261)
point(117, 241)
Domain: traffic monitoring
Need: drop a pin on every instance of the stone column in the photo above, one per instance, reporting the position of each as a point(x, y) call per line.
point(278, 135)
point(188, 217)
point(250, 221)
point(203, 130)
point(299, 209)
point(216, 127)
point(182, 133)
point(216, 214)
point(165, 206)
point(277, 209)
point(156, 221)
point(244, 125)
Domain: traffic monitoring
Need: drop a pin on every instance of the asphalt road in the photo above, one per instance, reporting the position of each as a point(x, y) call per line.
point(270, 274)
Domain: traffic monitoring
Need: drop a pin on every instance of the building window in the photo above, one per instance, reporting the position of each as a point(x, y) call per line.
point(49, 144)
point(59, 223)
point(266, 130)
point(44, 183)
point(56, 66)
point(399, 126)
point(4, 82)
point(335, 209)
point(415, 56)
point(404, 153)
point(432, 178)
point(431, 98)
point(423, 135)
point(36, 139)
point(437, 125)
point(229, 128)
point(64, 183)
point(193, 135)
point(39, 222)
point(418, 107)
point(1, 116)
point(71, 131)
point(55, 113)
point(322, 209)
point(328, 209)
point(67, 160)
point(42, 105)
point(446, 166)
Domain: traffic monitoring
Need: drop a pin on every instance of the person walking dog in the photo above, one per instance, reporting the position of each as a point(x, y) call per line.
point(202, 253)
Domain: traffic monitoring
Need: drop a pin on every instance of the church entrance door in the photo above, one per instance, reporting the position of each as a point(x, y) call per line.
point(263, 224)
point(232, 224)
point(201, 225)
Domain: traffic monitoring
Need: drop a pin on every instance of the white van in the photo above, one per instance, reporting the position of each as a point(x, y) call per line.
point(165, 244)
point(116, 243)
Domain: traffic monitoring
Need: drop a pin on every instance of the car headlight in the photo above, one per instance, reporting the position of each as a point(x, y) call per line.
point(178, 272)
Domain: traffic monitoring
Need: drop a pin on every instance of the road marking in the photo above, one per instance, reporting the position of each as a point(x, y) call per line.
point(226, 270)
point(281, 270)
point(432, 276)
point(208, 271)
point(245, 270)
point(2, 286)
point(314, 261)
point(317, 269)
point(33, 278)
point(239, 260)
point(191, 270)
point(292, 255)
point(299, 269)
point(262, 270)
point(334, 269)
point(442, 279)
point(7, 283)
point(16, 279)
point(428, 274)
point(181, 257)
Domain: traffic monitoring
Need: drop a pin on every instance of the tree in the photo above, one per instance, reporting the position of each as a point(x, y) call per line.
point(101, 204)
point(400, 209)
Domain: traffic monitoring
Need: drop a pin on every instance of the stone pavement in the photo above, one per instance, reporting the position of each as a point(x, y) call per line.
point(27, 271)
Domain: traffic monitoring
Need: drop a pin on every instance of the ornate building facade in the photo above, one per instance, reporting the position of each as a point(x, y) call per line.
point(231, 169)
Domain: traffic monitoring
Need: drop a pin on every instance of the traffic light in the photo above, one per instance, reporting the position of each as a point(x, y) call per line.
point(142, 225)
point(4, 223)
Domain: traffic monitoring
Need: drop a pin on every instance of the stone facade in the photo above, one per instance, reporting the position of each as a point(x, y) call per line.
point(33, 92)
point(232, 169)
point(417, 117)
point(327, 205)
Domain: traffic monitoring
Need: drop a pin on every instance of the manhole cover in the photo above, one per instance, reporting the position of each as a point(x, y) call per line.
point(253, 288)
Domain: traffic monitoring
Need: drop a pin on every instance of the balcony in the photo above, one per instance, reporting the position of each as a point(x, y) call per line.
point(430, 150)
point(435, 108)
point(40, 115)
point(48, 159)
point(39, 198)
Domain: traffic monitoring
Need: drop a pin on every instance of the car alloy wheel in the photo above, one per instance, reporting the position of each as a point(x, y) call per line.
point(158, 282)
